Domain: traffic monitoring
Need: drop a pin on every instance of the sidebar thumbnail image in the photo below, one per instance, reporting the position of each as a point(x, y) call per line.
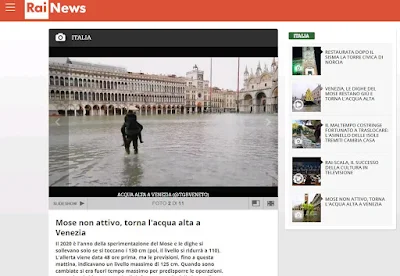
point(307, 171)
point(306, 134)
point(306, 210)
point(306, 61)
point(306, 97)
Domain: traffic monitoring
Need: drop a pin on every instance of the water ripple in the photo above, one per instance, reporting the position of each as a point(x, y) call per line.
point(201, 150)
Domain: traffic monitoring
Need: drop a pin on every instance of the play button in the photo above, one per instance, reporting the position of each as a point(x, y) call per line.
point(298, 178)
point(298, 104)
point(81, 203)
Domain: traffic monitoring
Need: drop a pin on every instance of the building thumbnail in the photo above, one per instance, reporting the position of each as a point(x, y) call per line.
point(304, 61)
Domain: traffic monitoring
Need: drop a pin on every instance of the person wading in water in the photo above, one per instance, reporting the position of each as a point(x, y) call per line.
point(131, 132)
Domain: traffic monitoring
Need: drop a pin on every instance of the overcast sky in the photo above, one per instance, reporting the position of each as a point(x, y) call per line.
point(224, 69)
point(298, 198)
point(300, 88)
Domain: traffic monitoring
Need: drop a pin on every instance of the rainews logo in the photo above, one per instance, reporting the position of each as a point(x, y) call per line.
point(40, 9)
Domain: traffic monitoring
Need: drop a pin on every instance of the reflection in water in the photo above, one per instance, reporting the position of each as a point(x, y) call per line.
point(133, 172)
point(186, 150)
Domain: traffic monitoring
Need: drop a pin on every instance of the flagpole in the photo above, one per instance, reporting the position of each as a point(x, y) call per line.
point(238, 74)
point(211, 63)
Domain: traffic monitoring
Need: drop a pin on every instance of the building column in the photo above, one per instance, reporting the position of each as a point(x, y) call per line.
point(75, 112)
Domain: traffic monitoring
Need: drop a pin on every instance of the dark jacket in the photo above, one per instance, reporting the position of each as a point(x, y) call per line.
point(131, 126)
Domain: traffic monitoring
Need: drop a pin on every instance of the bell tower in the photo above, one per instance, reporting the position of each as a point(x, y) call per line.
point(309, 62)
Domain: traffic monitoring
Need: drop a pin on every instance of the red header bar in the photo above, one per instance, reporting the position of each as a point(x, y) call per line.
point(204, 10)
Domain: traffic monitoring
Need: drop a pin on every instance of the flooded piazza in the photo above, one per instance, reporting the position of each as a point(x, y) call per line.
point(178, 150)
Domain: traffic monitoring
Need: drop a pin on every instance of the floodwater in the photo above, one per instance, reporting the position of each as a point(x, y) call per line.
point(178, 150)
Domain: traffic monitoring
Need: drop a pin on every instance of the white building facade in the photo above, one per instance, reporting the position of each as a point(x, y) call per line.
point(224, 100)
point(85, 89)
point(201, 99)
point(197, 91)
point(260, 92)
